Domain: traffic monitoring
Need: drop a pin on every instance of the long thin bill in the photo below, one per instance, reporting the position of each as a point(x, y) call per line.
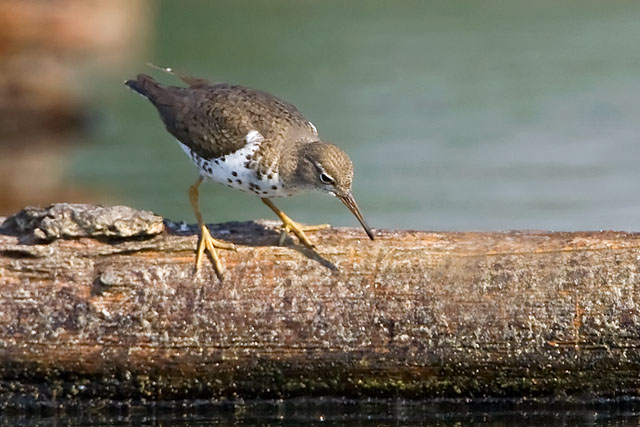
point(350, 202)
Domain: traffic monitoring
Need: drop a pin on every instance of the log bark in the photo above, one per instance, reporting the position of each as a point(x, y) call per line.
point(412, 314)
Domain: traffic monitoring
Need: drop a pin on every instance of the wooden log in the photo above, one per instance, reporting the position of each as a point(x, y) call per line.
point(411, 314)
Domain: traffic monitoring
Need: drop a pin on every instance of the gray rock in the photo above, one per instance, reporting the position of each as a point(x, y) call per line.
point(65, 220)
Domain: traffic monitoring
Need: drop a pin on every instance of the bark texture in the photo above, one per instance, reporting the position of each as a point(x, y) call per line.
point(411, 314)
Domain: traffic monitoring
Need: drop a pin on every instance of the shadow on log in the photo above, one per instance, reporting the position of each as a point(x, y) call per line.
point(411, 314)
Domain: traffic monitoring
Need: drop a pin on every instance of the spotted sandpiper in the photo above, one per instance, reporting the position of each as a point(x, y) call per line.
point(251, 141)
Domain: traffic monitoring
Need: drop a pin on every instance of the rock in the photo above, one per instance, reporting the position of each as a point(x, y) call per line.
point(65, 220)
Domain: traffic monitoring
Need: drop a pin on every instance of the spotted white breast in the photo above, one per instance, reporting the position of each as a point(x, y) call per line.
point(232, 169)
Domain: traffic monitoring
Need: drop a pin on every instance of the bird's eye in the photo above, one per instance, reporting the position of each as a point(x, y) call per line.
point(326, 178)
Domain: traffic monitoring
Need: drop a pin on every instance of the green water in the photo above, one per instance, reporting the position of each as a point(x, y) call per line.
point(458, 115)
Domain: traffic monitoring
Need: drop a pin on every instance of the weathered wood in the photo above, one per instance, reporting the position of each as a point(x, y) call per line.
point(412, 314)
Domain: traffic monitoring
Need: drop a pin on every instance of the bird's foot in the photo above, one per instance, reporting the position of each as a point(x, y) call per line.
point(210, 244)
point(290, 225)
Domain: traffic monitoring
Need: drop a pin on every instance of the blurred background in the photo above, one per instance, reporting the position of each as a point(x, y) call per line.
point(458, 115)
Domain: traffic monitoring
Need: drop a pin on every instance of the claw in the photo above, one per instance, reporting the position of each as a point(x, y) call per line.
point(210, 244)
point(289, 225)
point(207, 242)
point(299, 231)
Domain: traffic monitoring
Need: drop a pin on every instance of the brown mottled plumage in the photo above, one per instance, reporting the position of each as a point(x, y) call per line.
point(213, 119)
point(252, 141)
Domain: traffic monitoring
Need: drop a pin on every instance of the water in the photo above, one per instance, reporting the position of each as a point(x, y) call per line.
point(461, 115)
point(340, 412)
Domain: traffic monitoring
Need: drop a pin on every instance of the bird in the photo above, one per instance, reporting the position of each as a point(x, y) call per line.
point(252, 141)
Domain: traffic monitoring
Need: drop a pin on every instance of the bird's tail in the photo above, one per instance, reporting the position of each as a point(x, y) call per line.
point(146, 86)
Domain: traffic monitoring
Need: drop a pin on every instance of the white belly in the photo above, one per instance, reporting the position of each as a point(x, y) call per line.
point(232, 171)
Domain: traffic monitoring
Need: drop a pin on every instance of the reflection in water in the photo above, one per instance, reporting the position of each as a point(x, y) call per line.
point(371, 412)
point(44, 46)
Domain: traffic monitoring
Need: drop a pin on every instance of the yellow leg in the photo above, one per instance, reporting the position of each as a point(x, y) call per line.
point(206, 241)
point(290, 225)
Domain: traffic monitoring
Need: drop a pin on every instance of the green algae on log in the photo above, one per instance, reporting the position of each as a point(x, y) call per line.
point(412, 314)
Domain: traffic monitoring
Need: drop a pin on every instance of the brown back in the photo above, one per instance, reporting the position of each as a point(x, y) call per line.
point(214, 119)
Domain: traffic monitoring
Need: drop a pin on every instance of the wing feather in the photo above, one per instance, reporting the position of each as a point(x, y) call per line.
point(214, 120)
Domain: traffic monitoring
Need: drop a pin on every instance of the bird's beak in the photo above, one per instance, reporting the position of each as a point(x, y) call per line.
point(350, 202)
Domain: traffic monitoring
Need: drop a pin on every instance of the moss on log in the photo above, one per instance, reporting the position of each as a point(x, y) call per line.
point(411, 314)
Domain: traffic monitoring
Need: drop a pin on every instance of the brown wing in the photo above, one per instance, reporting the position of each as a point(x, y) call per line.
point(216, 119)
point(213, 120)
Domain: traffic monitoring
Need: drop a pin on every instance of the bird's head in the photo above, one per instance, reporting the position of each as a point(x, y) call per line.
point(325, 167)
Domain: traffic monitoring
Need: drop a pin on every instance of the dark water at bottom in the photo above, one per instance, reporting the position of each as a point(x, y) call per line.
point(330, 412)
